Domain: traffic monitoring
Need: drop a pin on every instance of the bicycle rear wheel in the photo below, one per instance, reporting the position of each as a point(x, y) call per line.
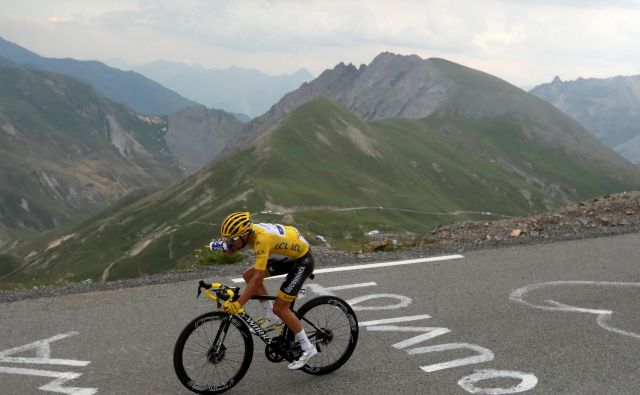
point(331, 326)
point(199, 367)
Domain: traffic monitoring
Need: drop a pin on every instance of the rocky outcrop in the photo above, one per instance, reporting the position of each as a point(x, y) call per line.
point(391, 86)
point(605, 215)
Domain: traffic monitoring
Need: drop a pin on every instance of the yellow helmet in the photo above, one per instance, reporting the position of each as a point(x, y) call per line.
point(235, 224)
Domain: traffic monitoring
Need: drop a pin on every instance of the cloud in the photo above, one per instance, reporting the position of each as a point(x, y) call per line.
point(497, 37)
point(599, 4)
point(289, 26)
point(59, 20)
point(522, 41)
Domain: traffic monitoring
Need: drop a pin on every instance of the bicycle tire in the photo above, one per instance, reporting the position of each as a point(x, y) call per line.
point(333, 314)
point(194, 345)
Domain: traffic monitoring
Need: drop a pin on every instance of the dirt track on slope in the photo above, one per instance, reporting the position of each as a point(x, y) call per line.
point(604, 216)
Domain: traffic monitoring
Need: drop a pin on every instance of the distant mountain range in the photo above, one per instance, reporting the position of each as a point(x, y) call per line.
point(609, 108)
point(127, 87)
point(400, 145)
point(67, 151)
point(233, 89)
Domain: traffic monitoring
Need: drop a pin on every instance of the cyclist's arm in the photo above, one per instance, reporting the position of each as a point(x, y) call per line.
point(252, 286)
point(261, 251)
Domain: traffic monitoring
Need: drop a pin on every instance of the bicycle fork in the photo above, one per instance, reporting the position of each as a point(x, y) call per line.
point(216, 352)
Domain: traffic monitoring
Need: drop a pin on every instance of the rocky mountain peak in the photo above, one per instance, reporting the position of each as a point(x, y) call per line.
point(407, 86)
point(338, 78)
point(391, 86)
point(387, 59)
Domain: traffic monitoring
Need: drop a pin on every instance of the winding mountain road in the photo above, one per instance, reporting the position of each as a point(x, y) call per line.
point(551, 318)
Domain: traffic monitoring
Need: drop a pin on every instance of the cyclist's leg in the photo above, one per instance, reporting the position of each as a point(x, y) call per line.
point(282, 310)
point(281, 307)
point(298, 272)
point(302, 268)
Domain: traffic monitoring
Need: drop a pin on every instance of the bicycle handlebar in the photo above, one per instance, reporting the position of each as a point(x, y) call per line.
point(222, 292)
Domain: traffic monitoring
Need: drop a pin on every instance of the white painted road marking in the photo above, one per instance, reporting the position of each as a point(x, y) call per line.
point(329, 291)
point(403, 301)
point(394, 320)
point(43, 357)
point(604, 316)
point(527, 382)
point(55, 385)
point(425, 333)
point(44, 361)
point(372, 265)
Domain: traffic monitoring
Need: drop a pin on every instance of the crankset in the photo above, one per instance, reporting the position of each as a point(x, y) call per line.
point(275, 351)
point(273, 354)
point(279, 350)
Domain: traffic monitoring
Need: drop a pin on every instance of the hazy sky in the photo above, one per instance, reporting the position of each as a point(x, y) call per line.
point(525, 42)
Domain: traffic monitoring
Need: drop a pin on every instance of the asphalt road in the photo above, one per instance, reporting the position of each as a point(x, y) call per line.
point(559, 318)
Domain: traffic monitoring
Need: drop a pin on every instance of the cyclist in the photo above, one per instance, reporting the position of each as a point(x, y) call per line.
point(270, 241)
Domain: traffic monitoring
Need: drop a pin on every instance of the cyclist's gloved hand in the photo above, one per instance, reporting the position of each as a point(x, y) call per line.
point(232, 307)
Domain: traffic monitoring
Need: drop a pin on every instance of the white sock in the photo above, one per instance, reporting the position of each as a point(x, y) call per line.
point(301, 338)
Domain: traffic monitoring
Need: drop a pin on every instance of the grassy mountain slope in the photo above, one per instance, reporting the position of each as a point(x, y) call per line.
point(133, 89)
point(68, 151)
point(330, 173)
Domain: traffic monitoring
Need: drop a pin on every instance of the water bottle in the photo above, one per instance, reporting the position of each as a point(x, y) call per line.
point(217, 246)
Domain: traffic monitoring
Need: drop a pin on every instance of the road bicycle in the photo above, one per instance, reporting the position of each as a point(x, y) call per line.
point(214, 351)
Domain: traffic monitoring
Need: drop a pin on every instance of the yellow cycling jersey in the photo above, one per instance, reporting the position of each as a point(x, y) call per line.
point(276, 239)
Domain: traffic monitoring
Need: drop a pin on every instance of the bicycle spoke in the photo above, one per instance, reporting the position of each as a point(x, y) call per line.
point(329, 328)
point(195, 354)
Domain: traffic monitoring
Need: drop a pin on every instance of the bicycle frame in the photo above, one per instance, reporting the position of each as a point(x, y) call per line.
point(256, 328)
point(267, 297)
point(251, 323)
point(248, 320)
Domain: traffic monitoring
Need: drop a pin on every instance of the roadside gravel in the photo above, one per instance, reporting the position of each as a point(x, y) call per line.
point(606, 216)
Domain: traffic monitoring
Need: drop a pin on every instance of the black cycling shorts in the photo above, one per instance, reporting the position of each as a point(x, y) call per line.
point(297, 272)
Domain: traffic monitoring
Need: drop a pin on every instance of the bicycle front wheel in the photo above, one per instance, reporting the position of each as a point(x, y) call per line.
point(201, 365)
point(332, 327)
